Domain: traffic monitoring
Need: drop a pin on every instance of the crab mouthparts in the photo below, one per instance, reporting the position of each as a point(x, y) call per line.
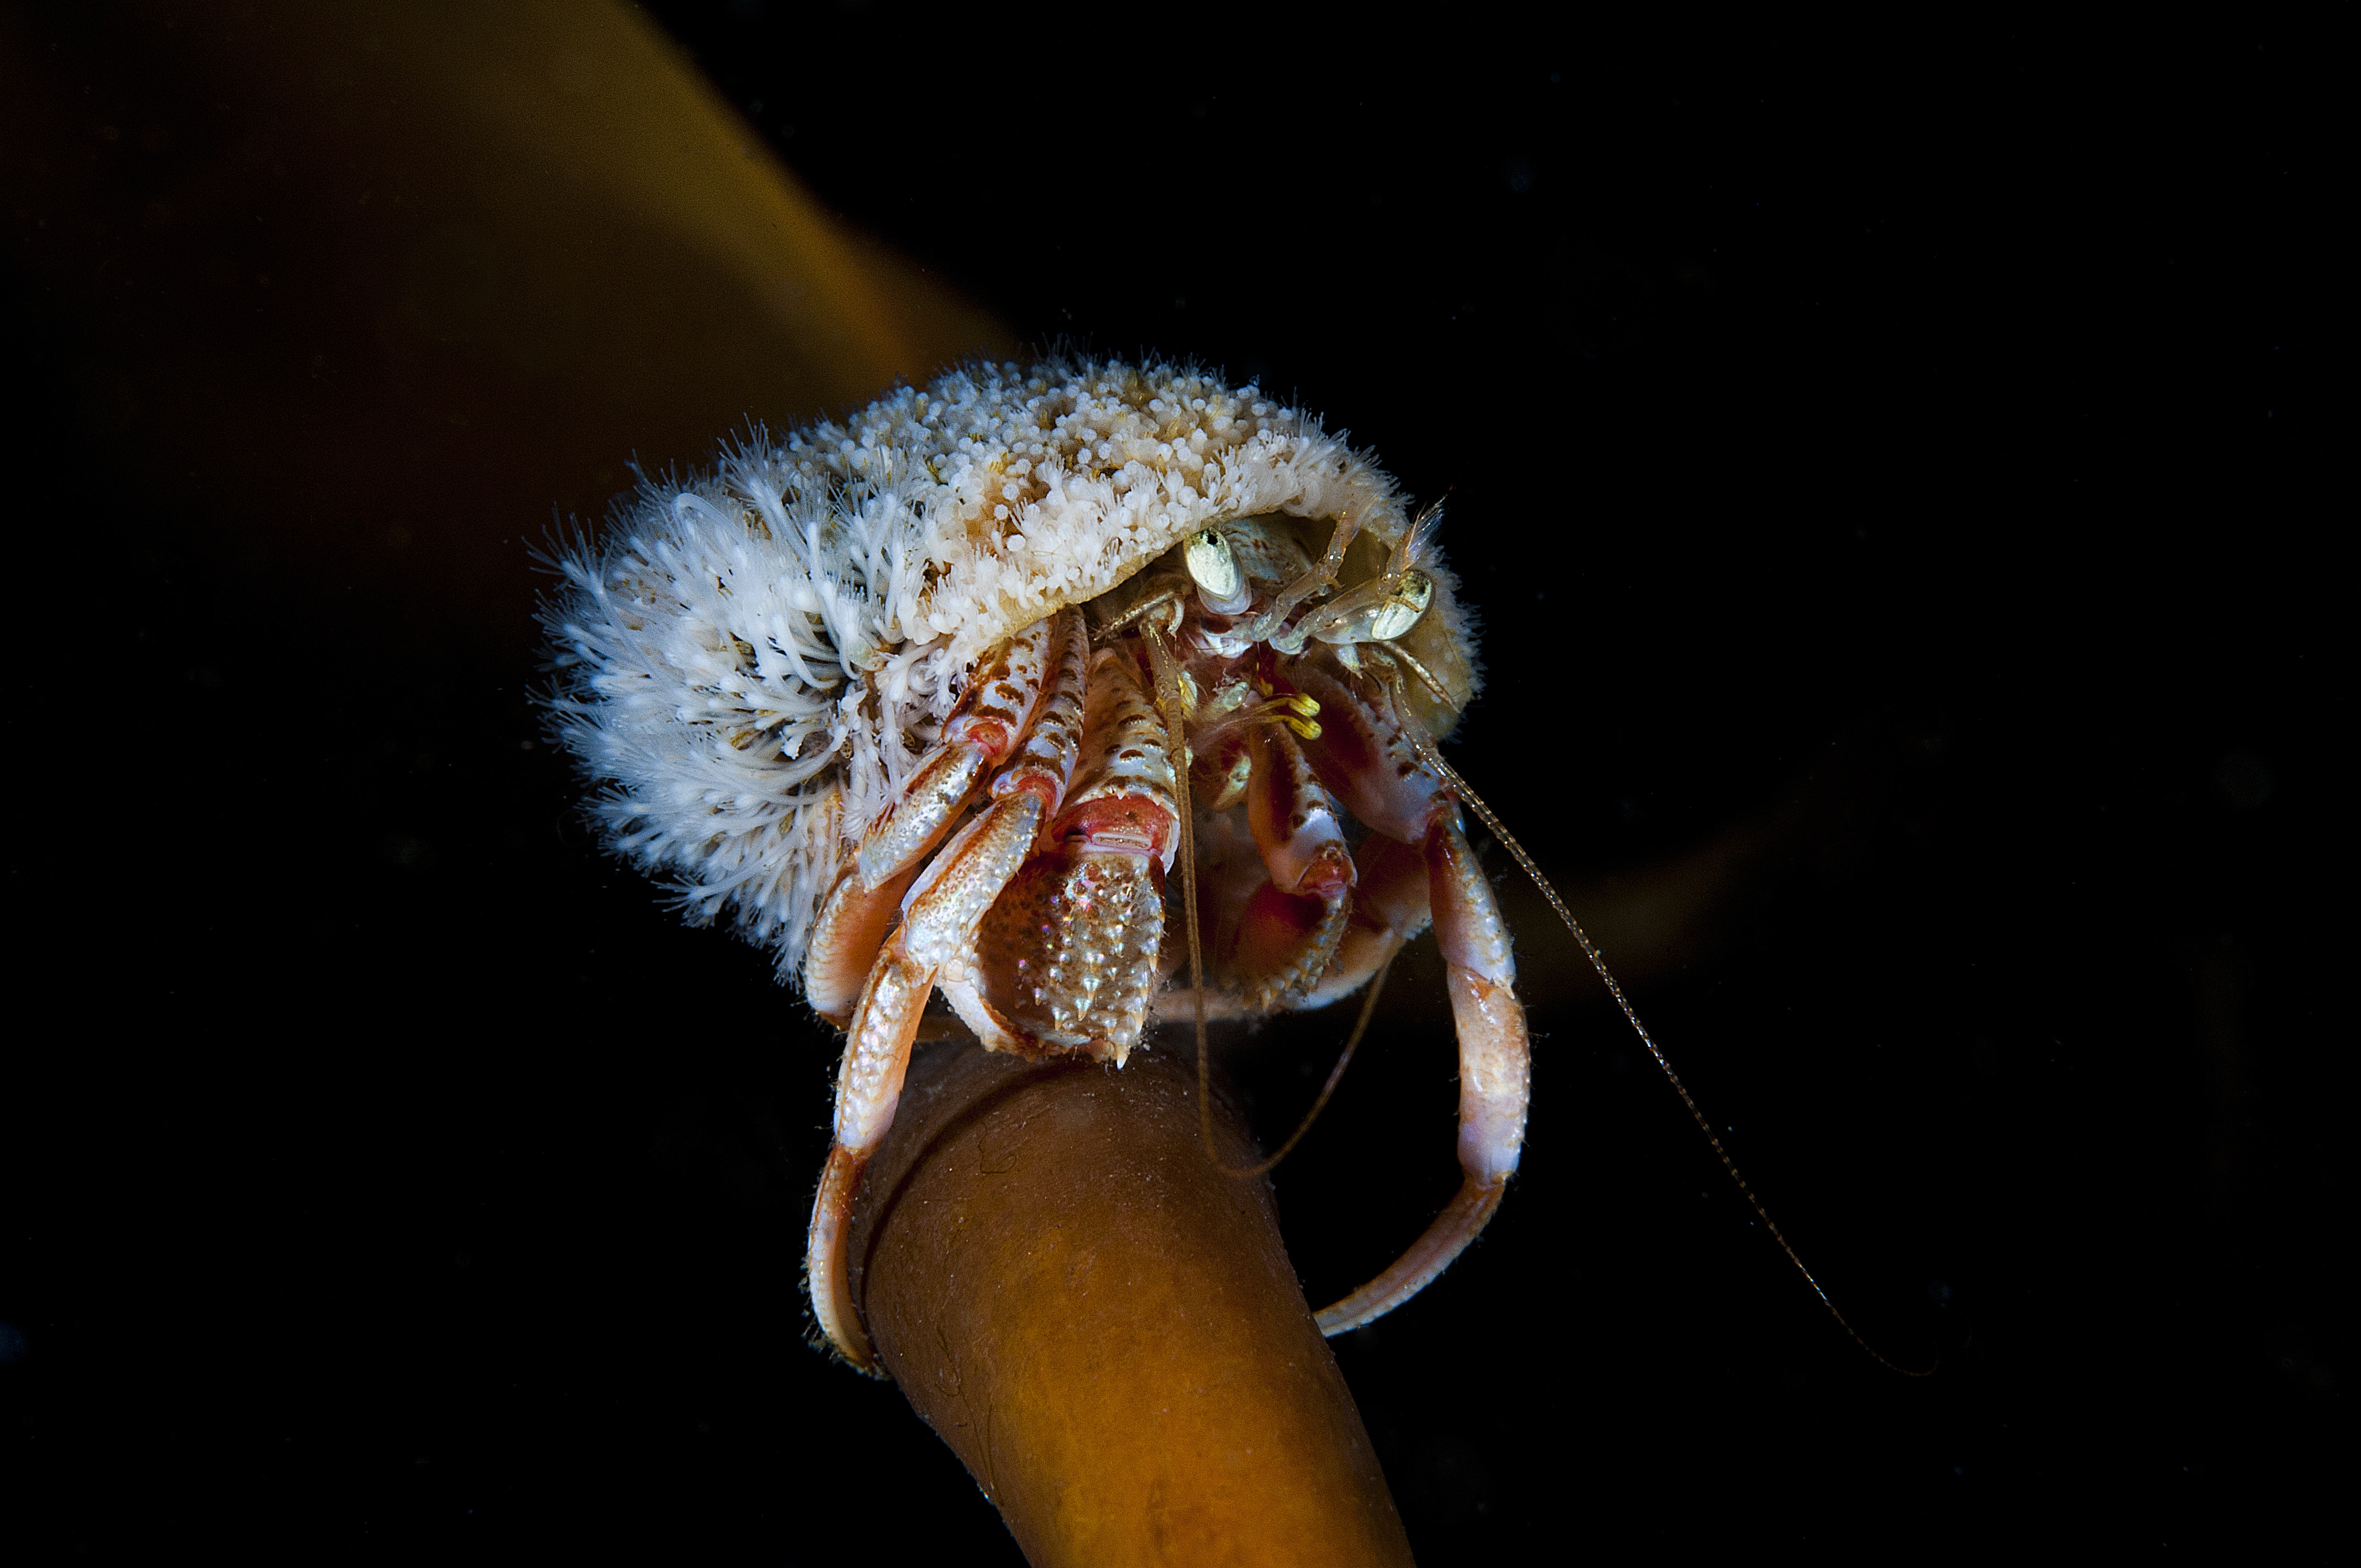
point(1116, 825)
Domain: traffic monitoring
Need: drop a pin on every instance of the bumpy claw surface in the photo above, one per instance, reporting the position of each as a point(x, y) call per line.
point(1071, 953)
point(1067, 958)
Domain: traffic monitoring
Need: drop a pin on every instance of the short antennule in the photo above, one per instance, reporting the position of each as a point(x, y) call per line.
point(1458, 786)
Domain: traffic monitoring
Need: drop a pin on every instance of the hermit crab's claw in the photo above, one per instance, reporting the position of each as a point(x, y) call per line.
point(1495, 1071)
point(1067, 959)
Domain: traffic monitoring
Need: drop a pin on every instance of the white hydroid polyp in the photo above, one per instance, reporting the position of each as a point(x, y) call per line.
point(752, 658)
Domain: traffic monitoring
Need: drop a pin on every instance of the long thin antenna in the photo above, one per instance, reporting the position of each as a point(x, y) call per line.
point(1459, 787)
point(1168, 699)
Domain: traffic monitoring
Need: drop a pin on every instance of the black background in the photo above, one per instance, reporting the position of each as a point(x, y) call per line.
point(1882, 464)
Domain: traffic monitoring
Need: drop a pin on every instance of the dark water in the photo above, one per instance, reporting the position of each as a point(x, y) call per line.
point(1888, 464)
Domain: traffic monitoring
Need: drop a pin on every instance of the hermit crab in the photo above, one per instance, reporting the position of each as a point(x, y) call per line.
point(935, 700)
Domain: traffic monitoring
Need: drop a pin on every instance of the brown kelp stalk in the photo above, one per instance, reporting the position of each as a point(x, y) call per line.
point(1104, 1324)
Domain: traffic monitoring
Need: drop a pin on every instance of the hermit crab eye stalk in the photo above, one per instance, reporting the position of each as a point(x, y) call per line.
point(1214, 567)
point(1376, 612)
point(1400, 610)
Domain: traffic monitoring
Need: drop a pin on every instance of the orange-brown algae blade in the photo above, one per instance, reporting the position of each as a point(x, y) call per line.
point(1104, 1324)
point(590, 251)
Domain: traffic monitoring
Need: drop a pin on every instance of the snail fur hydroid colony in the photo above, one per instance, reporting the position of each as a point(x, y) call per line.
point(933, 700)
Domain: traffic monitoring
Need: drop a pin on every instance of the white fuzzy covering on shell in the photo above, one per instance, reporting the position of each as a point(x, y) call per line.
point(753, 658)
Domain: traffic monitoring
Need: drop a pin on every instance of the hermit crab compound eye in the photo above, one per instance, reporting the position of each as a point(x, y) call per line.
point(1400, 610)
point(1214, 567)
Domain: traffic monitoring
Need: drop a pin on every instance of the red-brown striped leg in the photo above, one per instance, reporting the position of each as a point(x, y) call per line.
point(868, 1088)
point(1389, 907)
point(1288, 932)
point(992, 716)
point(848, 936)
point(948, 900)
point(1045, 767)
point(1495, 1072)
point(941, 913)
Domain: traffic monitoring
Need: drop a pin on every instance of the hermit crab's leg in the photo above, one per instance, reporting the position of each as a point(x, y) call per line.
point(1389, 907)
point(1044, 768)
point(1495, 1070)
point(1324, 572)
point(1294, 820)
point(1293, 923)
point(1365, 753)
point(998, 706)
point(847, 937)
point(1394, 660)
point(940, 917)
point(1366, 756)
point(992, 716)
point(944, 908)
